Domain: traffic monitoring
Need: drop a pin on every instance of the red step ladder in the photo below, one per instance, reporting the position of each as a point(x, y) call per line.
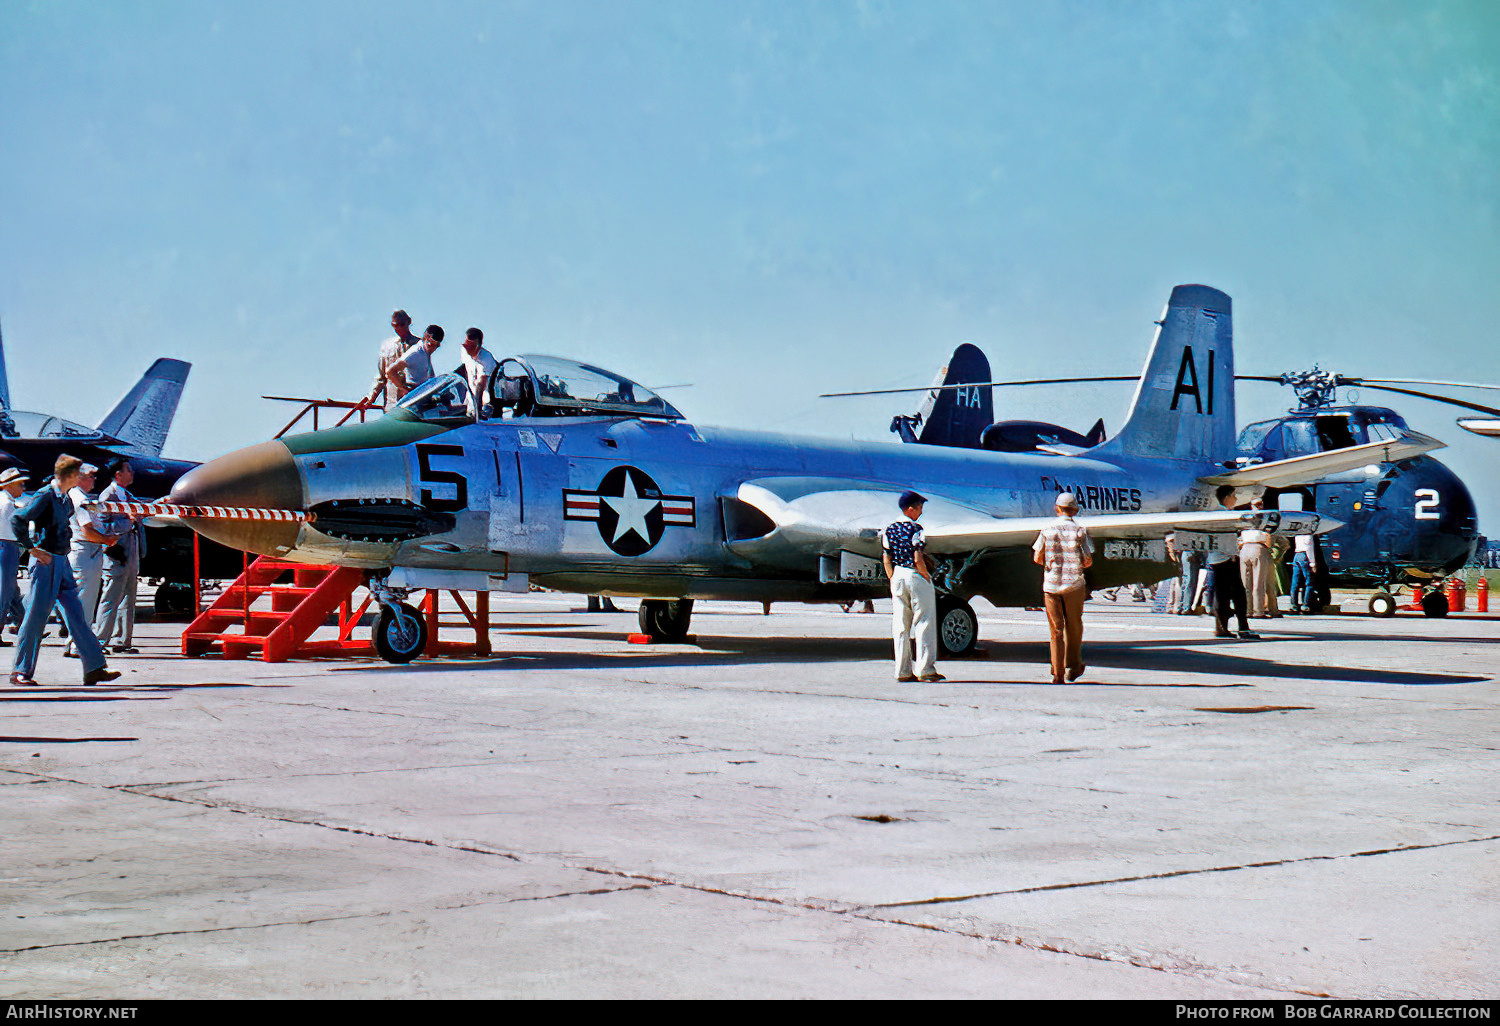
point(295, 611)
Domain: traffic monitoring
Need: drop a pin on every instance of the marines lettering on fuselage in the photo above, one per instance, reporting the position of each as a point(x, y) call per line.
point(630, 510)
point(1099, 497)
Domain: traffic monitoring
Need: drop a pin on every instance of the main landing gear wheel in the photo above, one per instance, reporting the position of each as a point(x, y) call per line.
point(174, 601)
point(666, 619)
point(1382, 604)
point(1435, 603)
point(957, 627)
point(400, 633)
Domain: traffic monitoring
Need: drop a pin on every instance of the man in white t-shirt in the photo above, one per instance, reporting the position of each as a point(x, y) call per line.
point(1304, 567)
point(87, 553)
point(479, 367)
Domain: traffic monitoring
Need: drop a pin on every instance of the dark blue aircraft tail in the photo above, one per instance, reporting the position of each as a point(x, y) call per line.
point(143, 418)
point(955, 416)
point(1184, 404)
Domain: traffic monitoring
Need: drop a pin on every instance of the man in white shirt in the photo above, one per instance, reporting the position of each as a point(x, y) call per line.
point(390, 351)
point(87, 554)
point(12, 487)
point(1229, 589)
point(479, 367)
point(1304, 566)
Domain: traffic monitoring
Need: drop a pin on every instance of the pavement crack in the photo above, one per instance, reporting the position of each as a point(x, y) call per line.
point(855, 912)
point(187, 933)
point(1399, 849)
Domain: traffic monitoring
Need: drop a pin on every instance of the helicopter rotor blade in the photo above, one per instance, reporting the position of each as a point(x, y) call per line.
point(977, 384)
point(1419, 381)
point(1435, 398)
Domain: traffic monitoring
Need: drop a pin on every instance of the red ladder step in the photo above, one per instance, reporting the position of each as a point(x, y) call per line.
point(281, 632)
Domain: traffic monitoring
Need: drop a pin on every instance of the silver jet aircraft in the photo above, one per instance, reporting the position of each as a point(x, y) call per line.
point(580, 480)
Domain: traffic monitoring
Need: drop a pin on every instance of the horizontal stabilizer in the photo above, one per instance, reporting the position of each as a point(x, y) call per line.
point(1309, 469)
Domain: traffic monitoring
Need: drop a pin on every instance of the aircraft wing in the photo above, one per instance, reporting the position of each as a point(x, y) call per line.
point(1309, 469)
point(825, 515)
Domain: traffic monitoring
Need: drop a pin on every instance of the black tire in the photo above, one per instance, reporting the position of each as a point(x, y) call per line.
point(665, 619)
point(1435, 603)
point(1382, 604)
point(173, 602)
point(400, 633)
point(957, 627)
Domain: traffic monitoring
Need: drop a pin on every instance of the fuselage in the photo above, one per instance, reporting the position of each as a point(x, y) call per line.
point(631, 506)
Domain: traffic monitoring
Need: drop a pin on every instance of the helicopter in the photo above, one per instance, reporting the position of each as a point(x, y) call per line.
point(1408, 521)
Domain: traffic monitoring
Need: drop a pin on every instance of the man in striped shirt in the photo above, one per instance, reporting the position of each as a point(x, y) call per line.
point(1064, 552)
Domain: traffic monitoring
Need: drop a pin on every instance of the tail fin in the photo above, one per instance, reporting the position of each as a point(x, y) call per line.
point(956, 416)
point(1184, 404)
point(1096, 434)
point(143, 418)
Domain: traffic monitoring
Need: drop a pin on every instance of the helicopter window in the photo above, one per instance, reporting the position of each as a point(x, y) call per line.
point(1383, 432)
point(1253, 438)
point(441, 398)
point(1298, 438)
point(1334, 433)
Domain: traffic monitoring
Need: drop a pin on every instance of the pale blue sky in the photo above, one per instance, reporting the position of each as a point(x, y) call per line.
point(768, 200)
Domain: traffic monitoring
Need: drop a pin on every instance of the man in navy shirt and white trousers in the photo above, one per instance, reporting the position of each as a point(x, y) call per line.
point(913, 600)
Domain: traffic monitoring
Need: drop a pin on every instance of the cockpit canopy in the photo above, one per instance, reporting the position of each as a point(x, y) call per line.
point(1305, 433)
point(25, 424)
point(443, 398)
point(539, 386)
point(560, 387)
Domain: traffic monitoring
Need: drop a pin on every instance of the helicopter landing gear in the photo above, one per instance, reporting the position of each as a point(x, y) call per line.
point(666, 619)
point(1382, 604)
point(1435, 603)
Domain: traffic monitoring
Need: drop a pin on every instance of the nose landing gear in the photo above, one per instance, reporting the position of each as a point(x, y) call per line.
point(400, 631)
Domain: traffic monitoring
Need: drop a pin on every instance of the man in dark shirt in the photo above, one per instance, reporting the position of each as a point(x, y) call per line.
point(913, 600)
point(43, 527)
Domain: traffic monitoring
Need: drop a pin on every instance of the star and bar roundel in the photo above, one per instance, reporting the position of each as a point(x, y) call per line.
point(630, 510)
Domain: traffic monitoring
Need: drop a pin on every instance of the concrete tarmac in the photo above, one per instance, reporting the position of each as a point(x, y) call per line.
point(765, 814)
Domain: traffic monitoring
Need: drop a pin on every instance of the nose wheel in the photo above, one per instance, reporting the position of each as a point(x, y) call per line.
point(400, 633)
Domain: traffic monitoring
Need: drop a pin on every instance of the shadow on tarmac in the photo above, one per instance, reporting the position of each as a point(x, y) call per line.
point(1142, 655)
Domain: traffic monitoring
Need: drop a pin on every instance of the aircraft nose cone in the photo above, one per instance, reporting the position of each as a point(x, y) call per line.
point(263, 476)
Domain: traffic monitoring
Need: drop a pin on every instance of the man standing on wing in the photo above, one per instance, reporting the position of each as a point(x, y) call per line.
point(913, 600)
